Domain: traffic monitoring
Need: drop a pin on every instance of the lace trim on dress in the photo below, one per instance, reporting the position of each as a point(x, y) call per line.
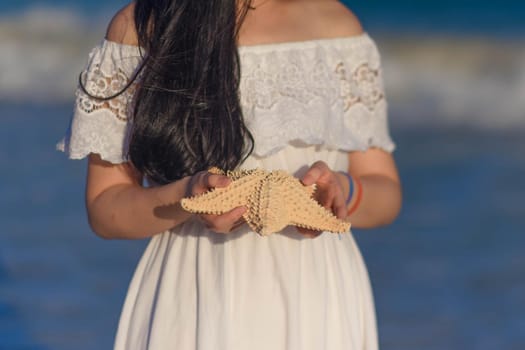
point(106, 85)
point(319, 92)
point(327, 92)
point(100, 125)
point(263, 90)
point(362, 87)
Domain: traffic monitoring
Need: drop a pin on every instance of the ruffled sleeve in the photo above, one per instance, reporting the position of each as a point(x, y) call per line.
point(326, 92)
point(101, 126)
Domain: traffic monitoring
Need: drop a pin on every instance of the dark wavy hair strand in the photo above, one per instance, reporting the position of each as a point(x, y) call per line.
point(187, 115)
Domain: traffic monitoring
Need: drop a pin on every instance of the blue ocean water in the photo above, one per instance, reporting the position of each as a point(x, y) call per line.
point(485, 16)
point(449, 274)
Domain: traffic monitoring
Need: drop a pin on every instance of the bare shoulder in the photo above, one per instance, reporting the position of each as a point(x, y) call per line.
point(340, 20)
point(121, 29)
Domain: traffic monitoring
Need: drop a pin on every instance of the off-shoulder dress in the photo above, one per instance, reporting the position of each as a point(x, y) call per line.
point(194, 289)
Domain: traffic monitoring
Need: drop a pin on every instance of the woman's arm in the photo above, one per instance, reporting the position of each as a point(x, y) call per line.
point(381, 198)
point(119, 206)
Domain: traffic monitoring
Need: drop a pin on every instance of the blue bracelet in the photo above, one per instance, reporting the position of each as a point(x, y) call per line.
point(351, 187)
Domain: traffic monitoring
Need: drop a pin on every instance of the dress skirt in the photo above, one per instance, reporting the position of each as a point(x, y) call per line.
point(197, 290)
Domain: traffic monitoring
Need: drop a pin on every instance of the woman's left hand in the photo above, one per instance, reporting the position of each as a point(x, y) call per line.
point(330, 192)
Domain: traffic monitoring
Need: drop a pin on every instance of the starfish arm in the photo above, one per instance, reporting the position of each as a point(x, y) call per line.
point(304, 211)
point(222, 200)
point(313, 216)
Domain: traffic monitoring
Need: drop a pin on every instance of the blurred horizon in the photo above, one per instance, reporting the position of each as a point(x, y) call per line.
point(480, 16)
point(467, 62)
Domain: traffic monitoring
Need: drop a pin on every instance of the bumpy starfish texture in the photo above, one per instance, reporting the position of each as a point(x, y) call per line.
point(274, 200)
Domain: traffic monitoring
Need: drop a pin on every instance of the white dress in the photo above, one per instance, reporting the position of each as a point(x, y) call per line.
point(193, 289)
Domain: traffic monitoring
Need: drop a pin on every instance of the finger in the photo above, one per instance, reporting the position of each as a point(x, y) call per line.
point(227, 220)
point(316, 171)
point(321, 165)
point(324, 201)
point(308, 233)
point(198, 184)
point(237, 225)
point(331, 194)
point(339, 207)
point(311, 176)
point(215, 180)
point(339, 201)
point(232, 216)
point(325, 197)
point(241, 221)
point(204, 181)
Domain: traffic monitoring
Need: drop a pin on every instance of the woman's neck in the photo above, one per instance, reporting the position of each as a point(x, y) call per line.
point(277, 21)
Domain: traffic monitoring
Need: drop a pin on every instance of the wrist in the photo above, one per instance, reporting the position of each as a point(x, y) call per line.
point(348, 186)
point(354, 190)
point(356, 198)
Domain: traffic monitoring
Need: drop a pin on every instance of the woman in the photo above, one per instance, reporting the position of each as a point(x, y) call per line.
point(178, 86)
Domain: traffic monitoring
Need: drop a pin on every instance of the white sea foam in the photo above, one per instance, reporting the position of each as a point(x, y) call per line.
point(478, 82)
point(41, 52)
point(456, 81)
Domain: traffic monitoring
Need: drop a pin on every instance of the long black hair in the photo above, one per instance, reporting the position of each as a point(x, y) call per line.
point(187, 115)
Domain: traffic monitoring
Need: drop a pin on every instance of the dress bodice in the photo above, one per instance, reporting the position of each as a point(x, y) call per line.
point(325, 92)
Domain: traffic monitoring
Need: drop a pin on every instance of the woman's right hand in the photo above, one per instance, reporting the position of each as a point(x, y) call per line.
point(204, 181)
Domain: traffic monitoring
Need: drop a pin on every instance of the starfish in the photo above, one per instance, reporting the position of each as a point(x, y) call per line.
point(274, 199)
